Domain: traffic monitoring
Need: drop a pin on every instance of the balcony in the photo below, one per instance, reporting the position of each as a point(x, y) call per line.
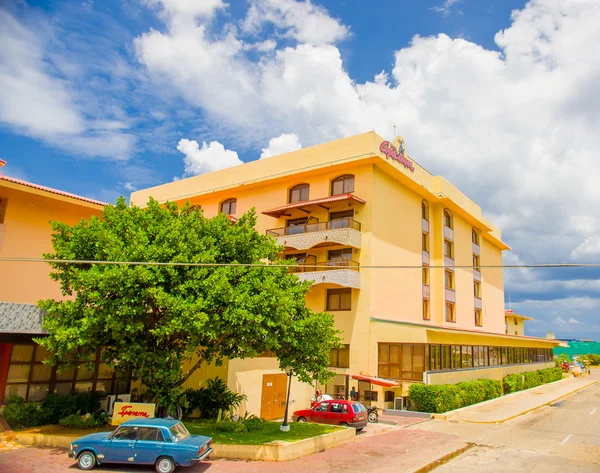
point(478, 303)
point(344, 273)
point(449, 262)
point(343, 231)
point(448, 234)
point(425, 257)
point(426, 291)
point(424, 225)
point(450, 295)
point(476, 249)
point(476, 274)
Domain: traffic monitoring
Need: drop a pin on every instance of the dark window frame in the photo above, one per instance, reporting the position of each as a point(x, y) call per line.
point(228, 206)
point(347, 182)
point(341, 292)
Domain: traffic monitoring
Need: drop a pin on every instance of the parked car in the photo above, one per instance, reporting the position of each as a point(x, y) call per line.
point(335, 412)
point(164, 443)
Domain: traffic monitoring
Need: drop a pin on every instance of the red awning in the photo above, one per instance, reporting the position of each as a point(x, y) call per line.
point(232, 218)
point(386, 383)
point(279, 211)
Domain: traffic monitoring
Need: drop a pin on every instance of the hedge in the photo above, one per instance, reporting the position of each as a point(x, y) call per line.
point(438, 398)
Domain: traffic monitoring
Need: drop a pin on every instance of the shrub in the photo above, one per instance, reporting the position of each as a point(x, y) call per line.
point(87, 421)
point(549, 375)
point(512, 383)
point(21, 413)
point(531, 379)
point(471, 392)
point(231, 427)
point(216, 395)
point(491, 388)
point(594, 359)
point(435, 398)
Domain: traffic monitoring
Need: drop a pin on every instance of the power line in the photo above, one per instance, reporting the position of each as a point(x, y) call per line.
point(312, 266)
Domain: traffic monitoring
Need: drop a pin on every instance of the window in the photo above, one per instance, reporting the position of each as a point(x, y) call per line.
point(425, 210)
point(476, 262)
point(339, 299)
point(449, 277)
point(125, 433)
point(150, 434)
point(299, 193)
point(477, 289)
point(342, 185)
point(335, 407)
point(426, 276)
point(294, 226)
point(426, 315)
point(516, 321)
point(340, 357)
point(425, 242)
point(344, 253)
point(322, 407)
point(478, 320)
point(228, 206)
point(450, 314)
point(475, 236)
point(342, 214)
point(401, 360)
point(448, 219)
point(448, 249)
point(467, 356)
point(179, 432)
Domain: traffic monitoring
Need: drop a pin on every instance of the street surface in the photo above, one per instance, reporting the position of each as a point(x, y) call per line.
point(564, 438)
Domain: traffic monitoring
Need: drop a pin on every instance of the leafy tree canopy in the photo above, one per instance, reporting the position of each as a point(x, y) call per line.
point(150, 319)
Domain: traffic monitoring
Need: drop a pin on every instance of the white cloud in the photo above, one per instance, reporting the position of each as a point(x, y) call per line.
point(590, 247)
point(284, 143)
point(211, 157)
point(190, 9)
point(301, 20)
point(573, 321)
point(445, 7)
point(559, 320)
point(129, 186)
point(515, 129)
point(37, 103)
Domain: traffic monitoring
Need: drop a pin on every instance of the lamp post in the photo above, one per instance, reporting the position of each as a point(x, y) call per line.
point(285, 427)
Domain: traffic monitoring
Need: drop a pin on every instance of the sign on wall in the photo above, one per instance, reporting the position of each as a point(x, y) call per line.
point(397, 152)
point(124, 411)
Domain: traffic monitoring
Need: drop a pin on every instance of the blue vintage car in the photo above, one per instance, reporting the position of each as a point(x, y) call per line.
point(164, 443)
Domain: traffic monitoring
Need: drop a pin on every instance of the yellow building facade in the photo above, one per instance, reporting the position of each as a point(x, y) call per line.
point(406, 263)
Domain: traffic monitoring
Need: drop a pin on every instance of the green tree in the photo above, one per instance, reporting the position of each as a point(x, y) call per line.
point(150, 319)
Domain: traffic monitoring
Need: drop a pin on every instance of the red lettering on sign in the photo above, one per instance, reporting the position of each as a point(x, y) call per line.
point(390, 151)
point(125, 412)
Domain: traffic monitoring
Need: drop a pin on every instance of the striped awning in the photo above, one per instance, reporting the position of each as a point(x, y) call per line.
point(279, 211)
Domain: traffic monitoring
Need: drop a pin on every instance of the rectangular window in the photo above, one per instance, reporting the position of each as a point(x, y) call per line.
point(448, 249)
point(426, 276)
point(344, 253)
point(446, 357)
point(450, 314)
point(477, 289)
point(434, 357)
point(426, 314)
point(476, 262)
point(449, 278)
point(425, 242)
point(504, 354)
point(339, 299)
point(467, 356)
point(342, 214)
point(494, 356)
point(402, 360)
point(478, 321)
point(340, 357)
point(456, 358)
point(476, 356)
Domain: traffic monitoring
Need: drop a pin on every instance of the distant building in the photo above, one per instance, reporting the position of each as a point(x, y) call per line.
point(577, 347)
point(514, 324)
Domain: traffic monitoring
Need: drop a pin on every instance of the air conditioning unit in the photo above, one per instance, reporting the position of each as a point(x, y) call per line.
point(399, 403)
point(110, 401)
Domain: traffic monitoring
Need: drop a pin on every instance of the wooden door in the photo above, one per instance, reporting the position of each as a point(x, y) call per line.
point(274, 392)
point(5, 350)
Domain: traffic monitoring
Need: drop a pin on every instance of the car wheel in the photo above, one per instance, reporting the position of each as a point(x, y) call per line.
point(86, 461)
point(301, 419)
point(372, 417)
point(165, 465)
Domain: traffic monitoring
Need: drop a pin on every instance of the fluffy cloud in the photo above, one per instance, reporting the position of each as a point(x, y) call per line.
point(516, 129)
point(35, 102)
point(211, 157)
point(284, 143)
point(445, 7)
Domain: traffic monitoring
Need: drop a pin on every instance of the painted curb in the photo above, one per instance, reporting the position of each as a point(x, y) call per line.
point(443, 459)
point(501, 421)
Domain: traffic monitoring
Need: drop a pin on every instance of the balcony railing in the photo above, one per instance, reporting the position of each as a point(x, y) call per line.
point(325, 266)
point(315, 227)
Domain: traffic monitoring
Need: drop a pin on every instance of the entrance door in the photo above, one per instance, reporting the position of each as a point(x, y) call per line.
point(274, 391)
point(362, 387)
point(5, 349)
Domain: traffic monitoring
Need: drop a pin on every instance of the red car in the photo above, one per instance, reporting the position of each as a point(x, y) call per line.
point(335, 412)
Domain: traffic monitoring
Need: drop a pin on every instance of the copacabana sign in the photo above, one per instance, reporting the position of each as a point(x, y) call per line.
point(124, 411)
point(397, 154)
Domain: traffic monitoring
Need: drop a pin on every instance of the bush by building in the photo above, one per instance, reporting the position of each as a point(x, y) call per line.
point(530, 379)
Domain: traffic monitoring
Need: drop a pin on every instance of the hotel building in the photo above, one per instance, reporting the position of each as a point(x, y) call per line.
point(407, 264)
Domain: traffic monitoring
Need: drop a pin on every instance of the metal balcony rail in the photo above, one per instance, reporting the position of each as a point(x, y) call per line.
point(325, 266)
point(315, 227)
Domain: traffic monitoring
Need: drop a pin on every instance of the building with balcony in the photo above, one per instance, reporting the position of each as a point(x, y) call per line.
point(407, 264)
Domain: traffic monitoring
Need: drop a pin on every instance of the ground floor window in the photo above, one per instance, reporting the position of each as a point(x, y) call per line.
point(340, 357)
point(30, 378)
point(409, 360)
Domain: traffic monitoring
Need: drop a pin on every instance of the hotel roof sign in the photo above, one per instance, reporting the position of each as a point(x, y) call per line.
point(397, 152)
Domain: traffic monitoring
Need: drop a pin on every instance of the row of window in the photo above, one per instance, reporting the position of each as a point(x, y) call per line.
point(410, 360)
point(30, 378)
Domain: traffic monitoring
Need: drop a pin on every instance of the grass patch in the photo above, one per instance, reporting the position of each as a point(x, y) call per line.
point(271, 432)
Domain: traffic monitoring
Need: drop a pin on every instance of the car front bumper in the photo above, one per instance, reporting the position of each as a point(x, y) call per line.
point(195, 461)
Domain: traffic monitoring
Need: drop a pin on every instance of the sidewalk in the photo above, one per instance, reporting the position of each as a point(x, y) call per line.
point(512, 405)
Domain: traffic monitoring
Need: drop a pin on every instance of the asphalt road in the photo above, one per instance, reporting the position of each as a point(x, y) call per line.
point(564, 438)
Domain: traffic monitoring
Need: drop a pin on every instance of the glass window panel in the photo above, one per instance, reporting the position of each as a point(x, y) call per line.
point(467, 356)
point(418, 360)
point(333, 301)
point(456, 357)
point(66, 374)
point(394, 354)
point(38, 392)
point(384, 352)
point(384, 370)
point(476, 356)
point(394, 371)
point(14, 390)
point(406, 358)
point(333, 358)
point(346, 301)
point(344, 357)
point(21, 353)
point(41, 353)
point(18, 374)
point(41, 373)
point(446, 357)
point(504, 356)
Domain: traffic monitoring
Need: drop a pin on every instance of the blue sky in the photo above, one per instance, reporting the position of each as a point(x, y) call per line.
point(103, 97)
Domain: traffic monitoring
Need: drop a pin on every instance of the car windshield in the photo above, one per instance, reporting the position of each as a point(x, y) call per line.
point(179, 432)
point(358, 408)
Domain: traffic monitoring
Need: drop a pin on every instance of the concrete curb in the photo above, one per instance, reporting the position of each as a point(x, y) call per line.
point(501, 421)
point(432, 465)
